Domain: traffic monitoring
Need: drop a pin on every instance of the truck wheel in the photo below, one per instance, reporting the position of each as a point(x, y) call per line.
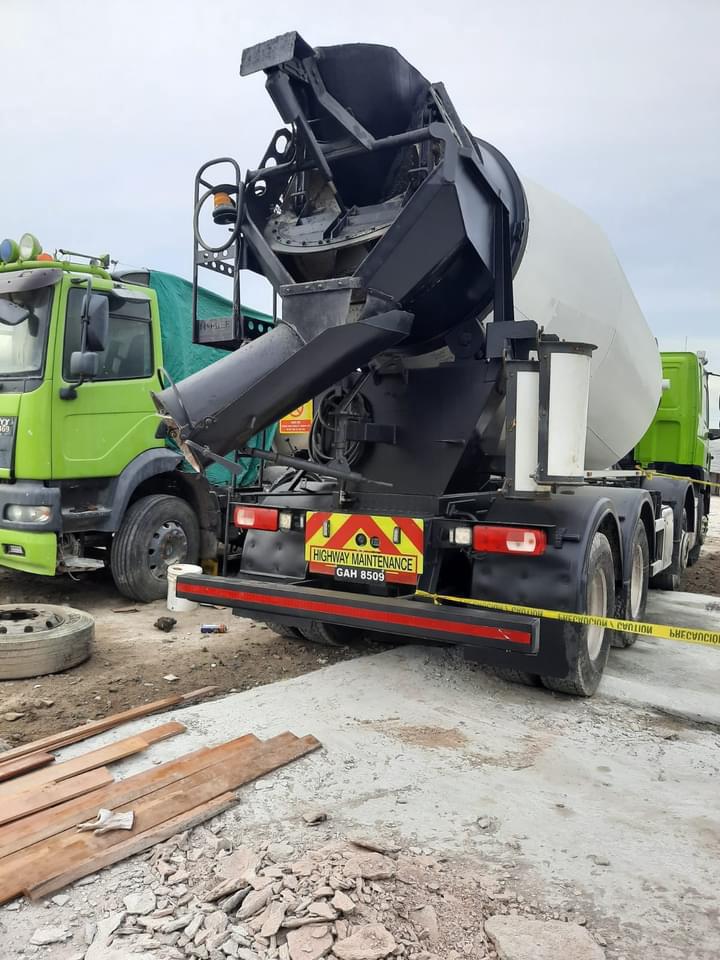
point(701, 526)
point(632, 606)
point(35, 640)
point(672, 578)
point(510, 675)
point(156, 532)
point(282, 630)
point(330, 634)
point(588, 647)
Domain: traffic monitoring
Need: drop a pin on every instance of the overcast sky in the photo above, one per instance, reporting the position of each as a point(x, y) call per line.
point(108, 108)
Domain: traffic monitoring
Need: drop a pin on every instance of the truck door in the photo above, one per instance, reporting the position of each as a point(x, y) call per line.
point(112, 418)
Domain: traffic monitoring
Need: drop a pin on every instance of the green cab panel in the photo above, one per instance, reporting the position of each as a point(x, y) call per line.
point(679, 432)
point(28, 415)
point(39, 551)
point(111, 419)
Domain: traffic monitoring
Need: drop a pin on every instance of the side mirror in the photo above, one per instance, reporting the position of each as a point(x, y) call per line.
point(98, 324)
point(83, 365)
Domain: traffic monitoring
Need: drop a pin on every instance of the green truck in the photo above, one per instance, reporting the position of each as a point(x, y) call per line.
point(677, 443)
point(86, 478)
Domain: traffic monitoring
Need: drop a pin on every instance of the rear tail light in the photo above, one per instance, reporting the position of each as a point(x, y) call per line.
point(256, 518)
point(520, 540)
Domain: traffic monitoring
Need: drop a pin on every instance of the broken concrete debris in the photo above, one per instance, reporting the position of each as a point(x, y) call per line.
point(522, 938)
point(370, 942)
point(272, 901)
point(44, 936)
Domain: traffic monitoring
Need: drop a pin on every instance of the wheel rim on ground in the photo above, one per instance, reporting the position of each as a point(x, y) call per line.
point(597, 607)
point(20, 621)
point(637, 579)
point(168, 545)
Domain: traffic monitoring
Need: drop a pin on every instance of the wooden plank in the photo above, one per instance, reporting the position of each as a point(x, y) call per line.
point(142, 841)
point(47, 796)
point(88, 761)
point(15, 768)
point(35, 865)
point(23, 833)
point(66, 737)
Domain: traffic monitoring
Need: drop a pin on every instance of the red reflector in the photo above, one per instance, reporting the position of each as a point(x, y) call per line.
point(256, 518)
point(529, 543)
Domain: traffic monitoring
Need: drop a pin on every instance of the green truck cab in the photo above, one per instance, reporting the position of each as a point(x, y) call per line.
point(677, 442)
point(86, 478)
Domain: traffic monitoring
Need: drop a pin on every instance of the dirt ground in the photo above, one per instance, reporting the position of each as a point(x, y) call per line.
point(704, 577)
point(132, 659)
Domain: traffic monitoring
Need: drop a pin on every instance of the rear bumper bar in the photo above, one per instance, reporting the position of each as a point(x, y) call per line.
point(293, 602)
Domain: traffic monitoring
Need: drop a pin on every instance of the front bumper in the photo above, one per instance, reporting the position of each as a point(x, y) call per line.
point(39, 551)
point(495, 636)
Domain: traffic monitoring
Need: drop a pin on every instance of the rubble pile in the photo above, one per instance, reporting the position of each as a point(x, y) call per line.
point(197, 896)
point(348, 900)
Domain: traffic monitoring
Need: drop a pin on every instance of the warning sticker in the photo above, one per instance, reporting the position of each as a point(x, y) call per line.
point(352, 546)
point(298, 421)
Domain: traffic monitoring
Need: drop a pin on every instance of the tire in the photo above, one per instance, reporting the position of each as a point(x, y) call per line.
point(156, 532)
point(282, 630)
point(40, 639)
point(632, 606)
point(330, 634)
point(510, 675)
point(701, 525)
point(672, 578)
point(588, 647)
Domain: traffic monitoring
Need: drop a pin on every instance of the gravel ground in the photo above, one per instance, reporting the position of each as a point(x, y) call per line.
point(131, 658)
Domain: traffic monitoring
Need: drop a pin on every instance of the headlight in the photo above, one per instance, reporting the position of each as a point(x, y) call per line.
point(20, 513)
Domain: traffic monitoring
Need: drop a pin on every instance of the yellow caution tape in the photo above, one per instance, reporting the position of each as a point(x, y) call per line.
point(673, 476)
point(708, 638)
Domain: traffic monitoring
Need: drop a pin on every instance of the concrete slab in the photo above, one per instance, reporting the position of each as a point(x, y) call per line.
point(679, 678)
point(604, 806)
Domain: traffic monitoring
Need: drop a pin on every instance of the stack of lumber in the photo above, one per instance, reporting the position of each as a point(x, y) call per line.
point(42, 800)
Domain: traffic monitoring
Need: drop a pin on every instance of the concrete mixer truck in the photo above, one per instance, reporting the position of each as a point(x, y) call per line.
point(480, 372)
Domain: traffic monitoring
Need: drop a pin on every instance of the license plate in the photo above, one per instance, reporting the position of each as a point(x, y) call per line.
point(359, 575)
point(357, 548)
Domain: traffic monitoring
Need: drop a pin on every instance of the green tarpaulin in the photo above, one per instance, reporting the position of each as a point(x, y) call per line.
point(182, 357)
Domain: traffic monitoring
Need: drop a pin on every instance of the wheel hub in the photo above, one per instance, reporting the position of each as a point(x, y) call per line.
point(168, 545)
point(16, 620)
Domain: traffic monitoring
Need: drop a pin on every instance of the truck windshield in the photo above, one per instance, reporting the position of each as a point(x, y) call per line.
point(22, 344)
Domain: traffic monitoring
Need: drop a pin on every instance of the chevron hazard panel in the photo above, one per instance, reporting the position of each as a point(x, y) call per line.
point(356, 548)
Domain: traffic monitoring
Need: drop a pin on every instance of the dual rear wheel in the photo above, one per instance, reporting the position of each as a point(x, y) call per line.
point(589, 646)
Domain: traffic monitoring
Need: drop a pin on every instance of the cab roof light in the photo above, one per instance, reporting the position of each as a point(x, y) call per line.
point(522, 541)
point(9, 251)
point(255, 518)
point(29, 246)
